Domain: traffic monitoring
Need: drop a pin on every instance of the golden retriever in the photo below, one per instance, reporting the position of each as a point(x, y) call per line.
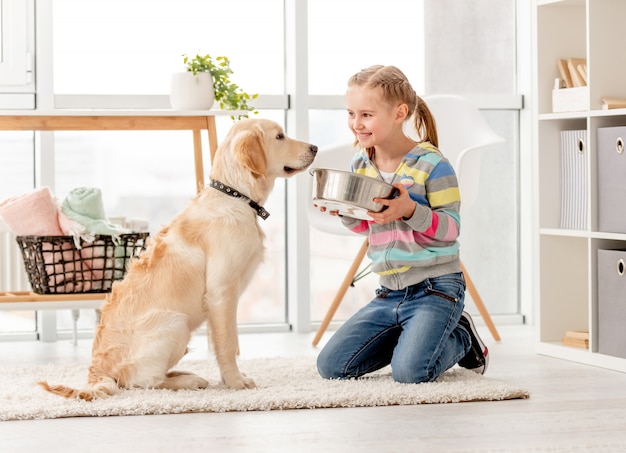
point(194, 270)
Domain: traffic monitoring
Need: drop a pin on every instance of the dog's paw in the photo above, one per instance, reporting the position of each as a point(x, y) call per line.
point(198, 383)
point(240, 382)
point(178, 380)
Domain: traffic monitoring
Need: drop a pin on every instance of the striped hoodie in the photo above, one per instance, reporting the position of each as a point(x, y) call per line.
point(409, 250)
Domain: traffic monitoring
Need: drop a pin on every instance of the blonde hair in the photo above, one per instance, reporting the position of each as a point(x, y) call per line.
point(397, 89)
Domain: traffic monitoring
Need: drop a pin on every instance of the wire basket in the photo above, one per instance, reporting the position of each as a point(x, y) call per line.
point(55, 265)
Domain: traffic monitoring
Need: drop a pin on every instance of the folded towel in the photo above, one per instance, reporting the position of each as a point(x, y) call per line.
point(37, 214)
point(84, 205)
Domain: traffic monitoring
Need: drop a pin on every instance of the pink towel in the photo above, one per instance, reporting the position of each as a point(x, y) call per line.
point(37, 214)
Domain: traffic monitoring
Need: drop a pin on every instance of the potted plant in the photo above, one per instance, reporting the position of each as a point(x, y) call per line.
point(205, 81)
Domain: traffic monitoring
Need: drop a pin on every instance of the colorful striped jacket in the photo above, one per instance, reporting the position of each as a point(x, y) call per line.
point(409, 250)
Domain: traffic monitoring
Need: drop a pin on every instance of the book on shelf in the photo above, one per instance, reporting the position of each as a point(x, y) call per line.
point(576, 342)
point(579, 76)
point(613, 103)
point(578, 334)
point(564, 72)
point(572, 71)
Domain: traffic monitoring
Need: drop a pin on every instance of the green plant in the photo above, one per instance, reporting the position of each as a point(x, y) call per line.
point(228, 94)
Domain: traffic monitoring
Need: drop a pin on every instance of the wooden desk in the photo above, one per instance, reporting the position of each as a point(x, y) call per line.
point(121, 120)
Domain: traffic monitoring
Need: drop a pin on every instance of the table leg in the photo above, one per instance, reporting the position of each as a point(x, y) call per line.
point(197, 153)
point(212, 130)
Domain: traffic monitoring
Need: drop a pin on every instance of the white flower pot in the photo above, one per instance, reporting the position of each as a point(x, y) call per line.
point(192, 92)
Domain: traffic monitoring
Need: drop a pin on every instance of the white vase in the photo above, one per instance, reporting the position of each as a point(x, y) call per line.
point(192, 92)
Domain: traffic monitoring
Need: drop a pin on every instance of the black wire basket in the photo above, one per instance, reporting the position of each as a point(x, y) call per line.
point(55, 265)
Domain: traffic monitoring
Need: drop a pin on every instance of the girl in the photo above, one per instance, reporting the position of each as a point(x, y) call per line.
point(416, 322)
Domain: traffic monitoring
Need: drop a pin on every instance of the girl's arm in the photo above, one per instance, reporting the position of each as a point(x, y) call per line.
point(430, 207)
point(437, 214)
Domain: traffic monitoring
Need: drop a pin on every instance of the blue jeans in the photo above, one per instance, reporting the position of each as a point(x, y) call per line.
point(414, 329)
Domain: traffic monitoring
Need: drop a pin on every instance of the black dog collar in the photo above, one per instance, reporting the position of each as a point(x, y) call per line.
point(260, 210)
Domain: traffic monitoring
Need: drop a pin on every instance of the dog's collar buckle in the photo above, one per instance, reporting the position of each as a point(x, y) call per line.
point(260, 210)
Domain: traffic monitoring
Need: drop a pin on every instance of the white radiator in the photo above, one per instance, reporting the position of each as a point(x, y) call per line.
point(12, 274)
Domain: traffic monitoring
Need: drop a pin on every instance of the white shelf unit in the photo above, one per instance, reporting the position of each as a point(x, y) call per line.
point(566, 260)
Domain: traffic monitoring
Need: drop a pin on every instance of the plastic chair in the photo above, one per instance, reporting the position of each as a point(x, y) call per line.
point(461, 129)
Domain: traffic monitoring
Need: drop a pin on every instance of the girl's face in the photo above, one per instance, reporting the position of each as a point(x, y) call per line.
point(372, 120)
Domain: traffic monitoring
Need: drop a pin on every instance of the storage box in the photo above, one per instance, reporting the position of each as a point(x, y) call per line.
point(612, 302)
point(570, 99)
point(611, 179)
point(56, 265)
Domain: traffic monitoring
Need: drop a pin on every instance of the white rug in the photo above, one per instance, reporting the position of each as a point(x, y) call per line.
point(283, 383)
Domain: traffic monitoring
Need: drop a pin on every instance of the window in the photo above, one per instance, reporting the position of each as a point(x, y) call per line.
point(133, 48)
point(346, 36)
point(358, 34)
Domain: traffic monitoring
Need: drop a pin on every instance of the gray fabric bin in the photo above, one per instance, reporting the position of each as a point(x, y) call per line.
point(612, 302)
point(611, 158)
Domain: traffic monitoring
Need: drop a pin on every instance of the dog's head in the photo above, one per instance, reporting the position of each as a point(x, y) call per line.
point(256, 152)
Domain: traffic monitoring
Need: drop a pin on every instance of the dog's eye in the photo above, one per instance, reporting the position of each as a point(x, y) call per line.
point(280, 136)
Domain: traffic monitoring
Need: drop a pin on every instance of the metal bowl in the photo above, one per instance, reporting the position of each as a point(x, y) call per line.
point(349, 193)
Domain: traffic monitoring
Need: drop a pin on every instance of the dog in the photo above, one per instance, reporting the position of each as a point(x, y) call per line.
point(194, 270)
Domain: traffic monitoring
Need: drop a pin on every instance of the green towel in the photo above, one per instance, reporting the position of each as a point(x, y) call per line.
point(84, 205)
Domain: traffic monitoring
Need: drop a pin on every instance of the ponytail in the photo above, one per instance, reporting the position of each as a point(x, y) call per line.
point(424, 123)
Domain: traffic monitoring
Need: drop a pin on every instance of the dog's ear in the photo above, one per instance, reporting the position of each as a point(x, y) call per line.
point(250, 151)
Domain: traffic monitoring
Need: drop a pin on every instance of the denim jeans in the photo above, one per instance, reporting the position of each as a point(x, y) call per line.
point(414, 329)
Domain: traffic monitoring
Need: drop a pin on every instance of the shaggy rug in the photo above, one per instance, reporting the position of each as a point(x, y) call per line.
point(283, 383)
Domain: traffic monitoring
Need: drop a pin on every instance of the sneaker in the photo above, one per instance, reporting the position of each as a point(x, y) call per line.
point(477, 358)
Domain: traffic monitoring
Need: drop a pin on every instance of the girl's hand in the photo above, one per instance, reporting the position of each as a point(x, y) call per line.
point(323, 209)
point(401, 206)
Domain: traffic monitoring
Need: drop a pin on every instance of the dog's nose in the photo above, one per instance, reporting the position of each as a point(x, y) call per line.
point(313, 149)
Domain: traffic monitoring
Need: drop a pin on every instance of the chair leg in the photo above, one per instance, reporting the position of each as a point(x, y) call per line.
point(349, 278)
point(347, 281)
point(479, 304)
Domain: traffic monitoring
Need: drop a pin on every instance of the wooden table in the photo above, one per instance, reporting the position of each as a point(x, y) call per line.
point(103, 120)
point(121, 120)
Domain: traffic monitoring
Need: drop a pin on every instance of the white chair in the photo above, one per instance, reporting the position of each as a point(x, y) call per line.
point(461, 129)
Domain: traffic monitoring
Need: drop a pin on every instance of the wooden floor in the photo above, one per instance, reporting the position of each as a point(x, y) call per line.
point(572, 408)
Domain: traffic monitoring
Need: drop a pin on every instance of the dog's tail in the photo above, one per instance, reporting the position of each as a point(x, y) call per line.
point(103, 389)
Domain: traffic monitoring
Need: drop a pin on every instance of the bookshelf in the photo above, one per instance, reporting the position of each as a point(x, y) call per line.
point(566, 260)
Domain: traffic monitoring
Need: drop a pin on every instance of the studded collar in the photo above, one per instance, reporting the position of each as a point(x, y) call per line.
point(260, 210)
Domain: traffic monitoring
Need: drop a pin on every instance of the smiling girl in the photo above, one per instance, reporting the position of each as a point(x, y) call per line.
point(416, 322)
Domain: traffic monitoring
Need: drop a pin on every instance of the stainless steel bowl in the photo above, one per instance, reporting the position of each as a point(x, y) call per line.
point(349, 193)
